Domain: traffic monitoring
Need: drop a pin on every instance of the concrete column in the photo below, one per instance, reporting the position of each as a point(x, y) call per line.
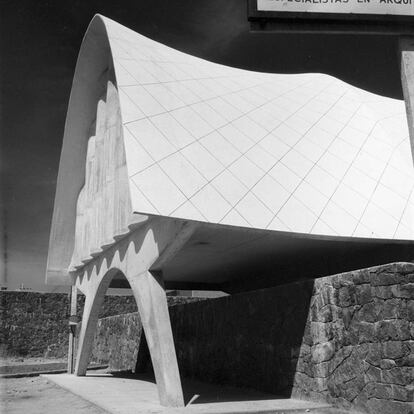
point(94, 298)
point(152, 305)
point(407, 80)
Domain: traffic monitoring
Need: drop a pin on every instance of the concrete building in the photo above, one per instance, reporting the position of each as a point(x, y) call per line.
point(178, 173)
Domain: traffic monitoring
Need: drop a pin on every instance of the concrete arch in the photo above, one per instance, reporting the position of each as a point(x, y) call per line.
point(137, 257)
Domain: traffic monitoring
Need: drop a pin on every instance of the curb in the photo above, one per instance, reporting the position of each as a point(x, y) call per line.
point(37, 373)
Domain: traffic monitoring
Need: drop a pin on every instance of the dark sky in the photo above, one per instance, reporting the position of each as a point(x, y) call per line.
point(39, 44)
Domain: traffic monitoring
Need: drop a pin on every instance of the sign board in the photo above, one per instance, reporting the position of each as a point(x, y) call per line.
point(376, 7)
point(393, 17)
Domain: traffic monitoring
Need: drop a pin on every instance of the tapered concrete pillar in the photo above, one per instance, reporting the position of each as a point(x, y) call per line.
point(407, 80)
point(94, 298)
point(152, 305)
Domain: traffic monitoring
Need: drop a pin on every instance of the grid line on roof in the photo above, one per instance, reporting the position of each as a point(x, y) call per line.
point(199, 139)
point(344, 174)
point(142, 193)
point(370, 201)
point(301, 178)
point(250, 189)
point(227, 168)
point(253, 91)
point(341, 180)
point(400, 223)
point(379, 181)
point(235, 206)
point(349, 168)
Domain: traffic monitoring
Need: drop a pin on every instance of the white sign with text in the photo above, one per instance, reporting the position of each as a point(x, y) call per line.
point(380, 7)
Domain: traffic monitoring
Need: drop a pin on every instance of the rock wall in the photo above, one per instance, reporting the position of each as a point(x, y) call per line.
point(358, 348)
point(117, 339)
point(347, 339)
point(36, 324)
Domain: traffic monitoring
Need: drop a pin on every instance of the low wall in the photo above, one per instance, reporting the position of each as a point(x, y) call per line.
point(36, 324)
point(117, 339)
point(347, 339)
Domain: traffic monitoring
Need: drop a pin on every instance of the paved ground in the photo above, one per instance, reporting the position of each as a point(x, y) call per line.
point(99, 393)
point(127, 395)
point(37, 395)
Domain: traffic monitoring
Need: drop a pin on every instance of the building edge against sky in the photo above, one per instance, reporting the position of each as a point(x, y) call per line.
point(196, 140)
point(178, 173)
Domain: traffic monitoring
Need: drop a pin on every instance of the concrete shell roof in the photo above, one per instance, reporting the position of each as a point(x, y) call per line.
point(304, 153)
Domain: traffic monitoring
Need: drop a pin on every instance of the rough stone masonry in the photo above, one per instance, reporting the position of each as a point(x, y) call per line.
point(347, 339)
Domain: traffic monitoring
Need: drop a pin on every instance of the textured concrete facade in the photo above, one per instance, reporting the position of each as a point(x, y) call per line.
point(347, 339)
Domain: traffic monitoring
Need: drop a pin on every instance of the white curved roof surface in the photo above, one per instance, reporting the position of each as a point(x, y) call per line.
point(303, 153)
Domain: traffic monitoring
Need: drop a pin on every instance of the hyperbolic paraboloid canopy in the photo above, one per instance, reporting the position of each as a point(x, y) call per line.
point(151, 130)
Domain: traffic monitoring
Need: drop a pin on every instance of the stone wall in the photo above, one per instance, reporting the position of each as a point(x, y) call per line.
point(347, 339)
point(36, 324)
point(358, 344)
point(117, 339)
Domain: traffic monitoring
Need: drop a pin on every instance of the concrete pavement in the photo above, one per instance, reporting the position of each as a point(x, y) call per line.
point(128, 394)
